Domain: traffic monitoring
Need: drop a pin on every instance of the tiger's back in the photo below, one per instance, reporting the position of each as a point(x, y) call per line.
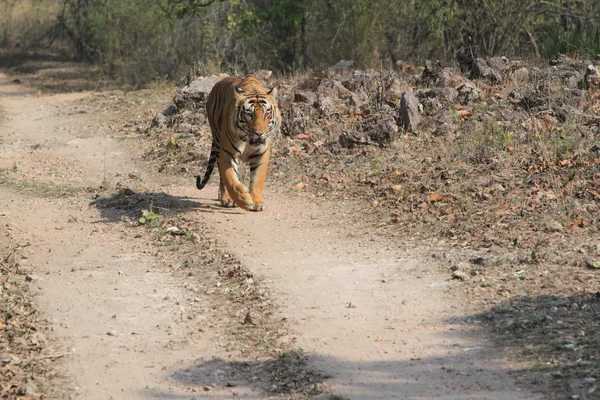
point(242, 115)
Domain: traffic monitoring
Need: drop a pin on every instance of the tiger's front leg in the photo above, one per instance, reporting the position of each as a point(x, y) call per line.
point(234, 189)
point(258, 174)
point(224, 197)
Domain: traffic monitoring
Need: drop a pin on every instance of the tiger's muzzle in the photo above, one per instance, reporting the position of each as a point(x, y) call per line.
point(256, 139)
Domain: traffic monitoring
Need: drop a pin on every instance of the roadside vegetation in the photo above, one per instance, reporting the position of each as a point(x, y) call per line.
point(140, 42)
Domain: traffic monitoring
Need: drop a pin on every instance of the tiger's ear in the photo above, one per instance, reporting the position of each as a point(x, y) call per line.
point(273, 91)
point(239, 89)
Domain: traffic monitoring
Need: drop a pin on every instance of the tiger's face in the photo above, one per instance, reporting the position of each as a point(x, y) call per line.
point(257, 116)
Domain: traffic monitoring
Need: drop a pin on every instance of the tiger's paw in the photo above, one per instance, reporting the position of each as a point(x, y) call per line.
point(259, 207)
point(246, 202)
point(228, 203)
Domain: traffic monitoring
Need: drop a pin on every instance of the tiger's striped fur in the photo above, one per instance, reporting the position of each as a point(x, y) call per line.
point(242, 115)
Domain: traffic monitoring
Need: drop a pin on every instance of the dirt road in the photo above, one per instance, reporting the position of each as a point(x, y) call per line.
point(376, 314)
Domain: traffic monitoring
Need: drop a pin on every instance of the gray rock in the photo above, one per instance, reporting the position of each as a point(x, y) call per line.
point(552, 225)
point(327, 105)
point(408, 113)
point(468, 92)
point(159, 121)
point(445, 129)
point(520, 76)
point(460, 275)
point(305, 96)
point(381, 128)
point(196, 91)
point(482, 70)
point(591, 79)
point(444, 115)
point(352, 138)
point(167, 112)
point(434, 74)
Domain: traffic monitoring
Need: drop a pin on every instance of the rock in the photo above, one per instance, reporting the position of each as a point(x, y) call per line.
point(380, 128)
point(159, 121)
point(499, 64)
point(249, 319)
point(167, 112)
point(305, 96)
point(478, 261)
point(591, 79)
point(519, 76)
point(444, 115)
point(552, 225)
point(445, 129)
point(408, 113)
point(434, 74)
point(482, 70)
point(430, 105)
point(327, 106)
point(196, 91)
point(393, 96)
point(29, 389)
point(468, 92)
point(460, 275)
point(537, 97)
point(592, 264)
point(352, 138)
point(175, 231)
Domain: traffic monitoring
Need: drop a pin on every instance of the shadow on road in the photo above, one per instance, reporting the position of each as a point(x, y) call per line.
point(127, 203)
point(554, 342)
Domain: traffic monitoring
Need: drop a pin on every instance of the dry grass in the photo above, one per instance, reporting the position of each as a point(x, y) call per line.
point(28, 361)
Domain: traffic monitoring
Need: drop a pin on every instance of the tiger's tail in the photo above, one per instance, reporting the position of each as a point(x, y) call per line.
point(214, 154)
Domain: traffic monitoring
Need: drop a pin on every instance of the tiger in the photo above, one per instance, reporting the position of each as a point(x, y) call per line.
point(243, 116)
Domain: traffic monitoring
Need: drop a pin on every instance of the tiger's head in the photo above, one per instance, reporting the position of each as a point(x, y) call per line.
point(257, 116)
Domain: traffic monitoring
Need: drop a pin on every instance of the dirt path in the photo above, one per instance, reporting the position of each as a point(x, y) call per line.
point(373, 314)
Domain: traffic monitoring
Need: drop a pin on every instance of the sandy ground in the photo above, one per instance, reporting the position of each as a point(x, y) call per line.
point(376, 315)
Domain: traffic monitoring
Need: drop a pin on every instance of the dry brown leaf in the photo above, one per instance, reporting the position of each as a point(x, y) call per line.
point(299, 186)
point(327, 178)
point(594, 193)
point(303, 135)
point(435, 197)
point(397, 188)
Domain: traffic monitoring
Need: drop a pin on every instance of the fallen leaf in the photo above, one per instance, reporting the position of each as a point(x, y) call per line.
point(299, 186)
point(327, 178)
point(594, 193)
point(303, 135)
point(397, 188)
point(407, 66)
point(435, 197)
